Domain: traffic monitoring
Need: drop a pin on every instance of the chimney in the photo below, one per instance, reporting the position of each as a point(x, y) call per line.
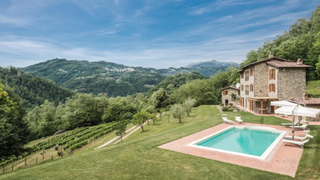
point(304, 96)
point(270, 55)
point(299, 62)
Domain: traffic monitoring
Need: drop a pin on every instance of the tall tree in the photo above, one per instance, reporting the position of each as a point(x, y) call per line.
point(14, 131)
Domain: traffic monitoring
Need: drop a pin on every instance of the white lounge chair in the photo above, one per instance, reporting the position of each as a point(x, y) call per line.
point(289, 124)
point(297, 137)
point(303, 126)
point(298, 143)
point(238, 119)
point(225, 119)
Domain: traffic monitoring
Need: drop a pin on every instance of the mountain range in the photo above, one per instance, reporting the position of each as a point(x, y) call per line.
point(112, 78)
point(212, 63)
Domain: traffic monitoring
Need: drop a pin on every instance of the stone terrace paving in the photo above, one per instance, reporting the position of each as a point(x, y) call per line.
point(282, 160)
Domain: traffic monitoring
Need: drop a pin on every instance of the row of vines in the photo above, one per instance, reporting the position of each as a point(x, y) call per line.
point(70, 140)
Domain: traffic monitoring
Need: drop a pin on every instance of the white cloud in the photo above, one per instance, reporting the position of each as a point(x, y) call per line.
point(13, 21)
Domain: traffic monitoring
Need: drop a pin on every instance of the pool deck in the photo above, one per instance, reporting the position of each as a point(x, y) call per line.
point(282, 160)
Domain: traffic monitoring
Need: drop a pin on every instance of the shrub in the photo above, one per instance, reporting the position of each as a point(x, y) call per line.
point(60, 153)
point(233, 96)
point(225, 108)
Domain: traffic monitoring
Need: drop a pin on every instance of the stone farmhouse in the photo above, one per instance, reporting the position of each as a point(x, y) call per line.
point(230, 95)
point(272, 79)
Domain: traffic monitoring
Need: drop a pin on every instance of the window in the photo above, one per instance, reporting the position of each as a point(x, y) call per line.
point(241, 75)
point(241, 87)
point(224, 92)
point(247, 75)
point(272, 88)
point(272, 74)
point(251, 72)
point(251, 87)
point(247, 89)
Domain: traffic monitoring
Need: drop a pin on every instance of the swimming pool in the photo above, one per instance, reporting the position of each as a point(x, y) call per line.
point(251, 141)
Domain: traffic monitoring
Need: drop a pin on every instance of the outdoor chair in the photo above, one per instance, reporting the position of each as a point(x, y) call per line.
point(225, 119)
point(290, 124)
point(303, 126)
point(238, 119)
point(297, 137)
point(298, 143)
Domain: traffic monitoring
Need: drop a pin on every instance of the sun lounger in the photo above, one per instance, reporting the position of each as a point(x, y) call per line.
point(298, 143)
point(297, 137)
point(303, 126)
point(225, 119)
point(289, 124)
point(238, 119)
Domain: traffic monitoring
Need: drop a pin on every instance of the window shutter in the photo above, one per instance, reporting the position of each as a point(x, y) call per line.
point(274, 74)
point(269, 74)
point(269, 87)
point(274, 88)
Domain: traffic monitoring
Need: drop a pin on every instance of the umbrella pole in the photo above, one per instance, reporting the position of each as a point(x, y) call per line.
point(292, 125)
point(293, 121)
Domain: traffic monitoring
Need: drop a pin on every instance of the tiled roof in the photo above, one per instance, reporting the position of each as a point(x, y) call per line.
point(230, 87)
point(274, 59)
point(307, 101)
point(264, 60)
point(287, 64)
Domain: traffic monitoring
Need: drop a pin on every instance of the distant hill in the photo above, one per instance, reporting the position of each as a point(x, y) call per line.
point(171, 83)
point(32, 89)
point(212, 63)
point(107, 77)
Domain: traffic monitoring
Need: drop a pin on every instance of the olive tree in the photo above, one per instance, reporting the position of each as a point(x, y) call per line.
point(188, 104)
point(140, 118)
point(178, 111)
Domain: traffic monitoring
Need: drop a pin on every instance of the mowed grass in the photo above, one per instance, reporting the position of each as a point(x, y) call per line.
point(139, 158)
point(313, 88)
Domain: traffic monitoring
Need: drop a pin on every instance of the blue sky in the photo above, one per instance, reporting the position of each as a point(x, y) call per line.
point(148, 33)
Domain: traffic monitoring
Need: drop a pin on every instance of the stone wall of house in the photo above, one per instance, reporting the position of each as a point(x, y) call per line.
point(291, 83)
point(229, 97)
point(245, 83)
point(261, 77)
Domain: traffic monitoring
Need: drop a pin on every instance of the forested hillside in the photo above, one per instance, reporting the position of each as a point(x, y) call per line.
point(212, 63)
point(105, 77)
point(32, 89)
point(302, 40)
point(172, 83)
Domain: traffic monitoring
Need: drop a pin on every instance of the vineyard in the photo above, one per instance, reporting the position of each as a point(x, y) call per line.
point(63, 143)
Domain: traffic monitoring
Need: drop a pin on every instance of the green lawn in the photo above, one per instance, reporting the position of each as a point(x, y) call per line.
point(313, 88)
point(139, 158)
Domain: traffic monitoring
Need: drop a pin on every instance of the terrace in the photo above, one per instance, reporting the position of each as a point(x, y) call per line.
point(282, 160)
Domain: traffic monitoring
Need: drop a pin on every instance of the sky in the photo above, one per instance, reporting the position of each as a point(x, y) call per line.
point(147, 33)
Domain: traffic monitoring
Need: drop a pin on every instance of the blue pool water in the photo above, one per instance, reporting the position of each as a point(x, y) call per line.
point(247, 141)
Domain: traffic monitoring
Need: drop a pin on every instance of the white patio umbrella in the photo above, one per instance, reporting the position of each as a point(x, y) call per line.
point(297, 110)
point(282, 103)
